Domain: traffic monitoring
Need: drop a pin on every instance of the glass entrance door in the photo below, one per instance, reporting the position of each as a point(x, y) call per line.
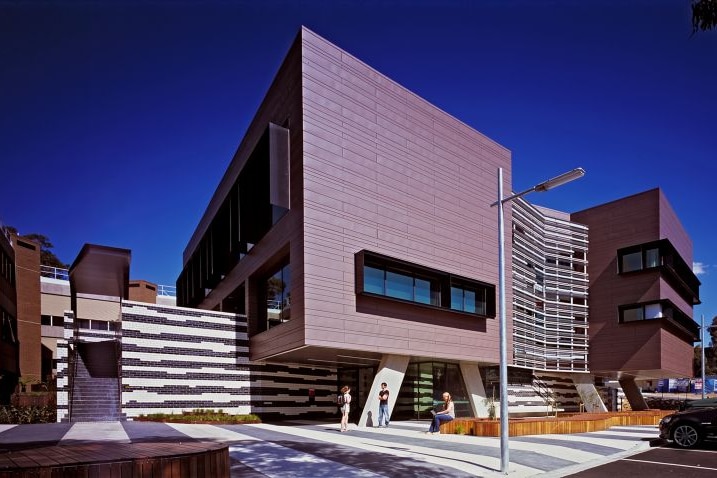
point(360, 380)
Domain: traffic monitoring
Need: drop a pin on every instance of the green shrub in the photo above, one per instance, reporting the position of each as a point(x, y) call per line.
point(200, 416)
point(30, 414)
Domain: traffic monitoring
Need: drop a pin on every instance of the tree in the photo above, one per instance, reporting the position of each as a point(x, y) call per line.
point(712, 329)
point(704, 15)
point(47, 257)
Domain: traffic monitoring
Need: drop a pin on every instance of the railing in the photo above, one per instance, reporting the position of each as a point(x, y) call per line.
point(55, 273)
point(167, 290)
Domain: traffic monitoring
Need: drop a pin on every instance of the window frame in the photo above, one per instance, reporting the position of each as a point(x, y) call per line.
point(441, 284)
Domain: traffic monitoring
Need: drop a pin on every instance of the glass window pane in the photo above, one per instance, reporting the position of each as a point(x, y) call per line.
point(286, 293)
point(373, 280)
point(58, 321)
point(469, 298)
point(632, 262)
point(653, 311)
point(45, 319)
point(652, 258)
point(631, 315)
point(456, 298)
point(399, 286)
point(480, 302)
point(422, 291)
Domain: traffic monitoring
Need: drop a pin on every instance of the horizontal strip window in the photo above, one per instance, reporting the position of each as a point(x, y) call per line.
point(98, 325)
point(53, 320)
point(658, 310)
point(380, 275)
point(663, 256)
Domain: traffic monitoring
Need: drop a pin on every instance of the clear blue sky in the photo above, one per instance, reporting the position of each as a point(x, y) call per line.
point(117, 119)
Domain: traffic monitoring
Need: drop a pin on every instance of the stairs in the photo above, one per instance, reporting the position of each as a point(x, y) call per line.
point(96, 395)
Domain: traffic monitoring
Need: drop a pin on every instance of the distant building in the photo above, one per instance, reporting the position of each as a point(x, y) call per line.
point(9, 344)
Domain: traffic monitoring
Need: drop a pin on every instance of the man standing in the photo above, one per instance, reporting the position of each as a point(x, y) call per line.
point(383, 405)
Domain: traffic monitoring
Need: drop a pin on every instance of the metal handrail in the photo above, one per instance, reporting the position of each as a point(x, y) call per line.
point(55, 273)
point(166, 290)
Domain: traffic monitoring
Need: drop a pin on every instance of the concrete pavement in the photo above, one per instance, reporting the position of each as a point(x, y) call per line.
point(311, 449)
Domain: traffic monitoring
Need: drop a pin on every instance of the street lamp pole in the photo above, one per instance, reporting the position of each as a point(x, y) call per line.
point(702, 347)
point(542, 187)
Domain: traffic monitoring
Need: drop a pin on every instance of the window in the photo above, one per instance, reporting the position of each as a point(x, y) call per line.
point(400, 285)
point(663, 309)
point(631, 262)
point(53, 320)
point(380, 275)
point(631, 314)
point(637, 258)
point(278, 296)
point(652, 258)
point(9, 327)
point(468, 300)
point(661, 256)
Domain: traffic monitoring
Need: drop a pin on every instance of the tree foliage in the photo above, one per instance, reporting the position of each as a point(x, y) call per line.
point(710, 361)
point(47, 257)
point(704, 15)
point(712, 329)
point(710, 352)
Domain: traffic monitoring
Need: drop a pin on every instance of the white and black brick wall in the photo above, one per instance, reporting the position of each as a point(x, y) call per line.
point(176, 359)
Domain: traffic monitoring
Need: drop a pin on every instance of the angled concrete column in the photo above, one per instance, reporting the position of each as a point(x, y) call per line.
point(633, 394)
point(585, 385)
point(474, 388)
point(391, 370)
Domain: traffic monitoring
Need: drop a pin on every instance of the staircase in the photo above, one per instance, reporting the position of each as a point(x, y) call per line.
point(96, 384)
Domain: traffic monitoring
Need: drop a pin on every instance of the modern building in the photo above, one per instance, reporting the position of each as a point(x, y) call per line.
point(354, 229)
point(352, 241)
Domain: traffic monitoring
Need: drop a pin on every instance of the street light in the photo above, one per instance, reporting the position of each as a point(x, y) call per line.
point(542, 187)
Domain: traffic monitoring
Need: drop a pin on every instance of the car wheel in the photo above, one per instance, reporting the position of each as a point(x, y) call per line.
point(686, 436)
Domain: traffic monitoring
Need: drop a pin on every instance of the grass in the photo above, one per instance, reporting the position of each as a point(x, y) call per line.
point(199, 416)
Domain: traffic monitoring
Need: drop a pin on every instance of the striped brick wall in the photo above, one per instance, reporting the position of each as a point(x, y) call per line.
point(283, 390)
point(176, 359)
point(63, 384)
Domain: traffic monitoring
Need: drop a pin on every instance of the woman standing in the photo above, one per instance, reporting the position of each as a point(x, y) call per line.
point(446, 415)
point(345, 408)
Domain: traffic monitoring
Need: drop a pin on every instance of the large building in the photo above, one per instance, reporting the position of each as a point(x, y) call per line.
point(353, 227)
point(352, 241)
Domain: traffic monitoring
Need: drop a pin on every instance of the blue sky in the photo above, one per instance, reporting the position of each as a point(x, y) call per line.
point(118, 118)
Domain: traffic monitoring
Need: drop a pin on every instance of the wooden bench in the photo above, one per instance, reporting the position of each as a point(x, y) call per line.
point(562, 424)
point(118, 460)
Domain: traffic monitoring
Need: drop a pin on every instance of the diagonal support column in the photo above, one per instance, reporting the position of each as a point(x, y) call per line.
point(391, 370)
point(475, 389)
point(585, 385)
point(633, 394)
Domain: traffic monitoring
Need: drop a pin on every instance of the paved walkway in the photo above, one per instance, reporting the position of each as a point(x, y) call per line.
point(310, 449)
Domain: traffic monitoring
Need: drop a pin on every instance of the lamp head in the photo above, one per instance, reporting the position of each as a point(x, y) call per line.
point(560, 180)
